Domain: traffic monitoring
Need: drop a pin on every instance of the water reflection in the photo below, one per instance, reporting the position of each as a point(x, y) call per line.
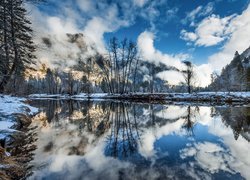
point(115, 140)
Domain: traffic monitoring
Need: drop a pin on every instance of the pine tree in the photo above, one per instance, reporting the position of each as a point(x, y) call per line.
point(16, 37)
point(248, 79)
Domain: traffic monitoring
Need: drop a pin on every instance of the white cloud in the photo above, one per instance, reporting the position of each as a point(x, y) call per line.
point(188, 36)
point(85, 5)
point(203, 73)
point(192, 15)
point(208, 9)
point(94, 30)
point(233, 30)
point(93, 26)
point(172, 77)
point(146, 47)
point(171, 13)
point(154, 10)
point(210, 31)
point(239, 41)
point(148, 52)
point(200, 11)
point(140, 3)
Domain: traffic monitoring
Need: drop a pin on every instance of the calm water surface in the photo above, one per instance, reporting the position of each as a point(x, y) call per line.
point(115, 140)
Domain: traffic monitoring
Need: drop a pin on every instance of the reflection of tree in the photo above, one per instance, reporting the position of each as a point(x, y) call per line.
point(190, 119)
point(74, 118)
point(123, 140)
point(95, 117)
point(238, 118)
point(51, 108)
point(123, 119)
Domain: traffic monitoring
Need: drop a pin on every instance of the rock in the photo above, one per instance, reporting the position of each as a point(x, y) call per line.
point(15, 138)
point(24, 120)
point(25, 109)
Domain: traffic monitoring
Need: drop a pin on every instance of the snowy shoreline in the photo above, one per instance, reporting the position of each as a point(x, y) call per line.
point(9, 106)
point(15, 148)
point(224, 97)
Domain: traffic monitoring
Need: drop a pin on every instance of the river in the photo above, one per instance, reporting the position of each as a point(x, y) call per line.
point(129, 140)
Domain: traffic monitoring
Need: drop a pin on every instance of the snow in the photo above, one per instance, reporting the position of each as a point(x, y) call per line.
point(95, 95)
point(66, 96)
point(206, 96)
point(52, 96)
point(5, 125)
point(8, 106)
point(211, 96)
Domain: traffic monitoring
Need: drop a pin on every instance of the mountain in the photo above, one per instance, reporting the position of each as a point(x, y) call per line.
point(235, 76)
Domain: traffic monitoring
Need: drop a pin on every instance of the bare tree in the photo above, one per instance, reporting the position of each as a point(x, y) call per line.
point(119, 66)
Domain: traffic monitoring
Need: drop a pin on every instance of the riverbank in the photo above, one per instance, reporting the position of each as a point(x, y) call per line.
point(15, 136)
point(218, 97)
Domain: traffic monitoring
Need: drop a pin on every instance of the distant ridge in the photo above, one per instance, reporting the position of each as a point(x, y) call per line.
point(235, 76)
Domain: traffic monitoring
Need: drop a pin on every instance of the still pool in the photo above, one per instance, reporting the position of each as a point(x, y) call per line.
point(125, 140)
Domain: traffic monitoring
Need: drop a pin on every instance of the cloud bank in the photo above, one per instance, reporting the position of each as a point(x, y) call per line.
point(95, 18)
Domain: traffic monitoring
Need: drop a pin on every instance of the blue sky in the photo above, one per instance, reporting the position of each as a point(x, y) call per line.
point(205, 32)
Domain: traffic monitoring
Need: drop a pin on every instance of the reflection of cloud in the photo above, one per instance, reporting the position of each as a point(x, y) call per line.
point(211, 157)
point(73, 152)
point(239, 149)
point(60, 161)
point(203, 117)
point(150, 135)
point(167, 113)
point(100, 163)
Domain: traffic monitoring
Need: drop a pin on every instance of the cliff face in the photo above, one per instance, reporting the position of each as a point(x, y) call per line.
point(235, 76)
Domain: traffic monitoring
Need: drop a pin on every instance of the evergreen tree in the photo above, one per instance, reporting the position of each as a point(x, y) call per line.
point(248, 79)
point(188, 75)
point(16, 39)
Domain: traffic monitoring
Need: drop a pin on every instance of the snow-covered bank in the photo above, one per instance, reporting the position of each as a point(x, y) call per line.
point(199, 97)
point(11, 105)
point(67, 96)
point(15, 117)
point(211, 96)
